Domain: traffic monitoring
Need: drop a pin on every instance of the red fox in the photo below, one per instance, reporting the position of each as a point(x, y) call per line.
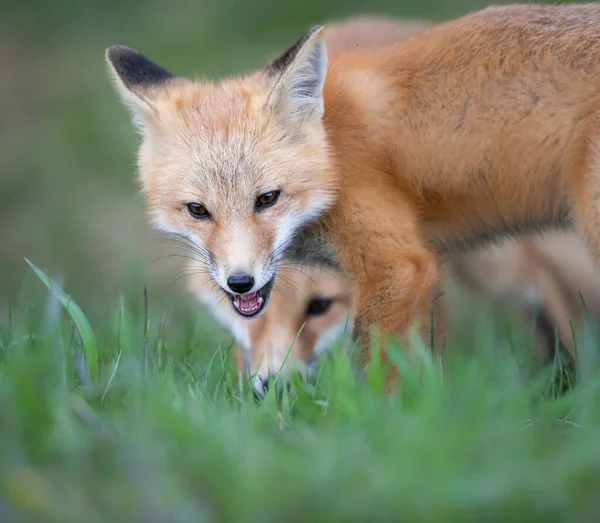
point(474, 129)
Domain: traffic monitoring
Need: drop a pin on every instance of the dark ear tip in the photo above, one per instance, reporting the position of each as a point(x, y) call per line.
point(134, 69)
point(317, 28)
point(283, 61)
point(115, 53)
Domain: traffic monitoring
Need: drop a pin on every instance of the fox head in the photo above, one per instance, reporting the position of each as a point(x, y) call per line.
point(310, 308)
point(236, 167)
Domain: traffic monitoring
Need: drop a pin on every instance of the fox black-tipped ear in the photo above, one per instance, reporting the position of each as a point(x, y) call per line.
point(299, 76)
point(138, 79)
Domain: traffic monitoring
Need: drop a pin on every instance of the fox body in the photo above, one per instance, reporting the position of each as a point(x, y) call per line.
point(475, 129)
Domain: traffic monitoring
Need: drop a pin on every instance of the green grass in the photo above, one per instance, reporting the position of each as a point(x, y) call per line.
point(168, 433)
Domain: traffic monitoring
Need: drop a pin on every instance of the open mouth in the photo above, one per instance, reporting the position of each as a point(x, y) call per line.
point(252, 304)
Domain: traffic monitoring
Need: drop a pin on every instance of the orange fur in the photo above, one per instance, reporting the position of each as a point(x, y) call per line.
point(486, 130)
point(469, 131)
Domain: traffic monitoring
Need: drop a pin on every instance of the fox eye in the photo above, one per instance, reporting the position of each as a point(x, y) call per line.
point(267, 199)
point(197, 211)
point(318, 306)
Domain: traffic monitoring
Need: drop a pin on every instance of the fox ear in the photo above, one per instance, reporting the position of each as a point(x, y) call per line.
point(138, 80)
point(299, 75)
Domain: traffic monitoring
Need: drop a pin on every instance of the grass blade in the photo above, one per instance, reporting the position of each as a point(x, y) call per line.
point(90, 347)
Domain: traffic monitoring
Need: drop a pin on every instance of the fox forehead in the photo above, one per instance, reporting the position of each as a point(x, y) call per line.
point(213, 142)
point(214, 125)
point(209, 106)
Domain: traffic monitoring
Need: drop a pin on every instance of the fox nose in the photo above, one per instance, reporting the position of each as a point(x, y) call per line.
point(240, 283)
point(261, 387)
point(265, 384)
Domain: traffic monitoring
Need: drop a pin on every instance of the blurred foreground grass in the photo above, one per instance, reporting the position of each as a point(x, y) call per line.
point(165, 434)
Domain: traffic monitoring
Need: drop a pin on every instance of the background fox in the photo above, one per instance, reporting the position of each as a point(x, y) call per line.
point(467, 132)
point(310, 310)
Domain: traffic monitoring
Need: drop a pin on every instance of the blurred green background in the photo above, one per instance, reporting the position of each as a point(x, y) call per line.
point(68, 192)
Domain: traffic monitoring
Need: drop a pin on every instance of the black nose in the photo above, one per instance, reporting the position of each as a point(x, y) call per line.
point(241, 283)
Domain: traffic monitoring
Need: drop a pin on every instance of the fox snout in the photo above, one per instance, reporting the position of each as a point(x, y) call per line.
point(280, 363)
point(244, 267)
point(249, 295)
point(261, 385)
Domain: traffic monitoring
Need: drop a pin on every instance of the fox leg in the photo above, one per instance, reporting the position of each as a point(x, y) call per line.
point(584, 171)
point(394, 275)
point(584, 179)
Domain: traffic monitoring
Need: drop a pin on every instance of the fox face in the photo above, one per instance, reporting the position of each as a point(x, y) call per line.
point(310, 308)
point(236, 168)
